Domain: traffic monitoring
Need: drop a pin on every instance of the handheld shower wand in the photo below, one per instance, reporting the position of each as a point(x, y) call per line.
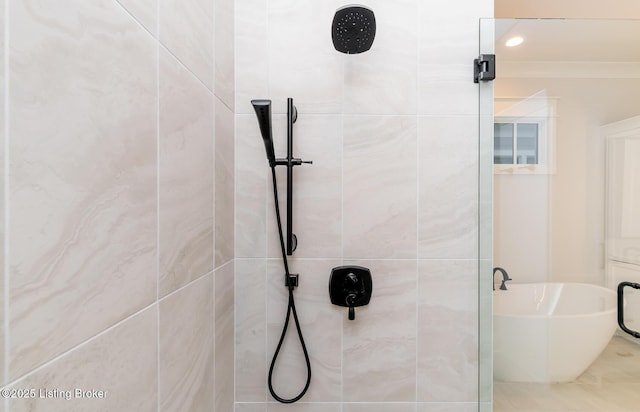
point(263, 111)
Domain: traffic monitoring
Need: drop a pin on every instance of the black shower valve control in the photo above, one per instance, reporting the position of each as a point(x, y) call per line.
point(351, 287)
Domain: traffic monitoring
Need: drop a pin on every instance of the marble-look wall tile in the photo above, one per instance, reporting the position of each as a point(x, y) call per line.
point(252, 54)
point(379, 407)
point(251, 186)
point(122, 362)
point(379, 187)
point(447, 89)
point(2, 201)
point(186, 29)
point(448, 407)
point(379, 346)
point(448, 331)
point(186, 346)
point(384, 79)
point(250, 330)
point(449, 33)
point(317, 190)
point(186, 176)
point(250, 407)
point(225, 51)
point(224, 338)
point(378, 83)
point(321, 325)
point(82, 176)
point(224, 184)
point(304, 407)
point(145, 11)
point(448, 187)
point(303, 63)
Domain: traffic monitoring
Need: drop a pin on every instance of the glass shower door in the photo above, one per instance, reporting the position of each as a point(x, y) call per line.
point(560, 200)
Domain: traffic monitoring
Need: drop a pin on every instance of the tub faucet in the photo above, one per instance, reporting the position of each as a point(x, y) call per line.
point(505, 277)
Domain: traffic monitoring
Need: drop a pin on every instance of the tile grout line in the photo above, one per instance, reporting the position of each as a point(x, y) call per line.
point(108, 329)
point(198, 279)
point(266, 326)
point(6, 217)
point(157, 39)
point(235, 238)
point(80, 345)
point(215, 273)
point(418, 163)
point(235, 216)
point(158, 388)
point(119, 3)
point(187, 68)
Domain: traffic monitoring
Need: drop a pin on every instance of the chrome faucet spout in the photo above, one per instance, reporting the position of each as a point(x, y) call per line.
point(505, 277)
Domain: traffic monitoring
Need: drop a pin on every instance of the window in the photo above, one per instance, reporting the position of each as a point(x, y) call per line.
point(523, 136)
point(516, 143)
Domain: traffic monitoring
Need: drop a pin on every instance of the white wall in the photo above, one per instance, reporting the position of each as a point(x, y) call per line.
point(521, 225)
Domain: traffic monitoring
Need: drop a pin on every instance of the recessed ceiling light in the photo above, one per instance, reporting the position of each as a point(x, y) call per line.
point(514, 41)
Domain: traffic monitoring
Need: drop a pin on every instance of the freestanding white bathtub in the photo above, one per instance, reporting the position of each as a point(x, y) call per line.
point(550, 332)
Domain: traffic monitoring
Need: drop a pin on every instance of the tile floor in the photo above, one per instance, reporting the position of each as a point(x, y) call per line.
point(611, 384)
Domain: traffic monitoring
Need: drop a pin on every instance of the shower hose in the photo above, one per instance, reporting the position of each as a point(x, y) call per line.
point(291, 309)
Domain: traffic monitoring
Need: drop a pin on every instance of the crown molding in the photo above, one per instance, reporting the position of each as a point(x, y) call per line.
point(564, 69)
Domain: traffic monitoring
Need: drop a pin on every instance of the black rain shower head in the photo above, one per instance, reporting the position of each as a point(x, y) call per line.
point(353, 29)
point(263, 111)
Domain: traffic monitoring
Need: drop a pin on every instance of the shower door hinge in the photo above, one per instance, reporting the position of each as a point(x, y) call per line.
point(484, 68)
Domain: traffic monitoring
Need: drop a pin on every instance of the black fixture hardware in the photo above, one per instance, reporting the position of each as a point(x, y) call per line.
point(263, 111)
point(292, 280)
point(353, 29)
point(350, 286)
point(484, 68)
point(621, 287)
point(505, 277)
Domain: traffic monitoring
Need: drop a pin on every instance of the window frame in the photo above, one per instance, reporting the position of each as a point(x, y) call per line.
point(536, 110)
